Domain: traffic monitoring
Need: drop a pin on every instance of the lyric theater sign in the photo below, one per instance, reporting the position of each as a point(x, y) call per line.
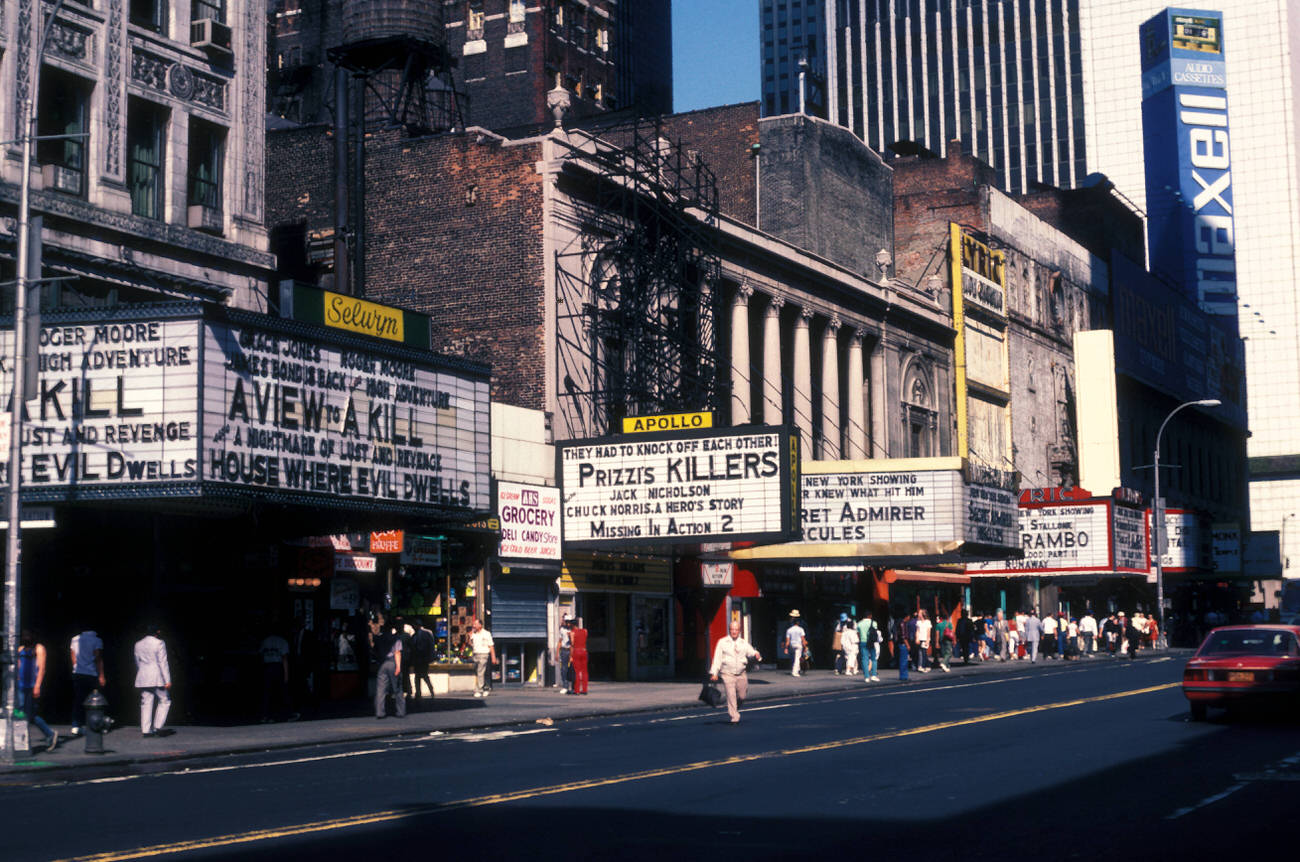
point(183, 400)
point(1069, 531)
point(738, 484)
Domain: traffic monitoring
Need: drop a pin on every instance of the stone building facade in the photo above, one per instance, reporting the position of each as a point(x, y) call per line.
point(157, 190)
point(1055, 287)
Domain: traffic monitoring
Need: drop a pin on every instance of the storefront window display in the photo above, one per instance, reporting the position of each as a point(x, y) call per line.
point(447, 599)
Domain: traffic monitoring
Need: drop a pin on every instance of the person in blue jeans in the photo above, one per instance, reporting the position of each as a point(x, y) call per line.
point(868, 646)
point(31, 676)
point(901, 640)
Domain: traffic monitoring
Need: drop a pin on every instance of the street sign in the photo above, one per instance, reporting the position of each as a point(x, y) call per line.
point(718, 574)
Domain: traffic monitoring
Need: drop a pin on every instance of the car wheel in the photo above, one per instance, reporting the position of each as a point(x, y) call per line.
point(1199, 711)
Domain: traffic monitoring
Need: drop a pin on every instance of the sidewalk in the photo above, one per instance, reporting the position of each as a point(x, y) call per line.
point(125, 748)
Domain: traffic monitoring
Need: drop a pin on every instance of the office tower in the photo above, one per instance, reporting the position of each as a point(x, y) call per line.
point(1002, 78)
point(793, 31)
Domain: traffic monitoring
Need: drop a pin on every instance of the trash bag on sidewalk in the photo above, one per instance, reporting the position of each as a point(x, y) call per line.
point(711, 695)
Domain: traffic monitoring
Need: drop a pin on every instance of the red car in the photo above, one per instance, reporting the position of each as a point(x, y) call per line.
point(1239, 663)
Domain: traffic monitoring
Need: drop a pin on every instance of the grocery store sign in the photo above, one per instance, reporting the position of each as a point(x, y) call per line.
point(680, 487)
point(179, 399)
point(530, 521)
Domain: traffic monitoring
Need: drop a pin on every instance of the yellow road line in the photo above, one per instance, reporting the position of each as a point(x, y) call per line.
point(589, 784)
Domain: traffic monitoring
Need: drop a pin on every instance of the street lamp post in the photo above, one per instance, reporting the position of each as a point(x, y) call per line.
point(1281, 545)
point(13, 538)
point(1158, 514)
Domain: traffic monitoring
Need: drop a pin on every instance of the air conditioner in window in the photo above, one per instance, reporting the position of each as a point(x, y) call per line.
point(205, 218)
point(211, 35)
point(61, 179)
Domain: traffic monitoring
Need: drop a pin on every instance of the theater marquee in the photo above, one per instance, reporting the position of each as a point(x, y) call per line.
point(736, 484)
point(184, 400)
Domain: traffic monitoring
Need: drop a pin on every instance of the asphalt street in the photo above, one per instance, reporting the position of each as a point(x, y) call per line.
point(1051, 762)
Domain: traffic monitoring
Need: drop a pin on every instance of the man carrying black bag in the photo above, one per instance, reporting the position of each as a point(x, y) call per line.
point(730, 661)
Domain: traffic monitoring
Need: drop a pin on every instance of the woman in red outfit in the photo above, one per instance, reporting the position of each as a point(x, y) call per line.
point(578, 658)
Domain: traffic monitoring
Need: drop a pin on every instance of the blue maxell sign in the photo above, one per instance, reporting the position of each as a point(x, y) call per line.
point(1188, 170)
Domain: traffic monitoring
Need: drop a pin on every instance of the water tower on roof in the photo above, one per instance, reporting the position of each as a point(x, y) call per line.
point(398, 48)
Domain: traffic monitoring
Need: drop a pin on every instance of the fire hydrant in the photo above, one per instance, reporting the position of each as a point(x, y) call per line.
point(97, 722)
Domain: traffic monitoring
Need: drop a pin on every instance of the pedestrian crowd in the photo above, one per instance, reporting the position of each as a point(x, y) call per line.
point(920, 644)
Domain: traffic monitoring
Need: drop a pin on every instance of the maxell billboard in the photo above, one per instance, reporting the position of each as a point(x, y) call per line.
point(1188, 170)
point(732, 484)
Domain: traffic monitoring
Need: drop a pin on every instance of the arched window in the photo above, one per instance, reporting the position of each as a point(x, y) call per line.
point(920, 419)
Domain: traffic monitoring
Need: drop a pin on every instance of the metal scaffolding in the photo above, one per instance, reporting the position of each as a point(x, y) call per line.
point(636, 293)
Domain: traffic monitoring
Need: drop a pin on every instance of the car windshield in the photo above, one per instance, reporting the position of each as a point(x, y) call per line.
point(1250, 642)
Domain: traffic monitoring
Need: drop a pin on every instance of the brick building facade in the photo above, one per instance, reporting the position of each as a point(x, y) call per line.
point(503, 57)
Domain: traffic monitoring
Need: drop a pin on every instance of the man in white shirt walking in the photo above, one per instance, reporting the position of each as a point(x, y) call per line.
point(794, 643)
point(730, 662)
point(153, 679)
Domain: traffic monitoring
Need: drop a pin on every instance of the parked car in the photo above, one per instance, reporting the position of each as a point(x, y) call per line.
point(1243, 663)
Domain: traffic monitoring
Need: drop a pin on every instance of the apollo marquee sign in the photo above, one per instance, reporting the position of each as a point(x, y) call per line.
point(733, 484)
point(182, 400)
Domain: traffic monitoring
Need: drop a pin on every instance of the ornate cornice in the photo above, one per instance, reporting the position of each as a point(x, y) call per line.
point(77, 210)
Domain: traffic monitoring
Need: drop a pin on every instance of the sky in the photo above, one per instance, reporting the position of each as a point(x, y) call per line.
point(715, 53)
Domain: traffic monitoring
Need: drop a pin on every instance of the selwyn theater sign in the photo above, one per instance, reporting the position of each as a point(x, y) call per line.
point(183, 400)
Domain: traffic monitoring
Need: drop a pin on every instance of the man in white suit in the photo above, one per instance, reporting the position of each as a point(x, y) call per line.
point(153, 678)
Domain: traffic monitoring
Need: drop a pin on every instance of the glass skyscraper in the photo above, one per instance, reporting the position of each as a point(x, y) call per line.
point(792, 30)
point(1001, 78)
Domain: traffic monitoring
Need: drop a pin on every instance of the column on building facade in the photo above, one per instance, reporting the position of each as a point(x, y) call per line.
point(831, 390)
point(879, 403)
point(856, 421)
point(802, 379)
point(772, 362)
point(741, 412)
